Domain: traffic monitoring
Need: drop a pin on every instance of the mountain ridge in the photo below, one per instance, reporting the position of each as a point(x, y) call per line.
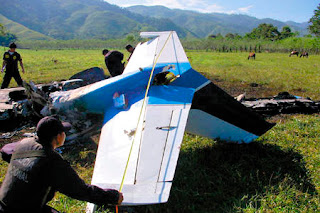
point(216, 22)
point(82, 19)
point(97, 19)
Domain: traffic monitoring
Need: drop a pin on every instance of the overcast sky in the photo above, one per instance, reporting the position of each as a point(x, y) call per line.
point(283, 10)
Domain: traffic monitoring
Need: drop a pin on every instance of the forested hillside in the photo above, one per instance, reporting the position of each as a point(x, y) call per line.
point(97, 19)
point(204, 24)
point(81, 19)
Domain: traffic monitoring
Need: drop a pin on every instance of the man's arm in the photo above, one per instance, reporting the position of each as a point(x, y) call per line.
point(67, 181)
point(21, 64)
point(3, 66)
point(106, 61)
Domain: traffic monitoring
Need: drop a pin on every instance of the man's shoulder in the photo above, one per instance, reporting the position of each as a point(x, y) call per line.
point(115, 52)
point(6, 54)
point(29, 144)
point(17, 55)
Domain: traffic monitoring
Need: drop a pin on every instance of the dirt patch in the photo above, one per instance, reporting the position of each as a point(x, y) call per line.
point(278, 118)
point(252, 90)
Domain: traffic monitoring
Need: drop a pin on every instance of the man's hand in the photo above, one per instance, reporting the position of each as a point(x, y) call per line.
point(22, 70)
point(3, 68)
point(120, 198)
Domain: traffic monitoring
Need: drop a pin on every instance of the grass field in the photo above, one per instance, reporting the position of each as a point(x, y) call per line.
point(273, 72)
point(277, 173)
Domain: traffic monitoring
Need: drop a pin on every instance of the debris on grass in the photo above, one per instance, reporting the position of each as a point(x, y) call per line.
point(283, 103)
point(27, 105)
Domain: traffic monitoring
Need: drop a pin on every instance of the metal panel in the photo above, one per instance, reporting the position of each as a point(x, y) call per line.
point(114, 146)
point(204, 124)
point(174, 140)
point(153, 143)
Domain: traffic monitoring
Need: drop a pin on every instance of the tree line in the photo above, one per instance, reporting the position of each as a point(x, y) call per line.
point(221, 44)
point(309, 44)
point(263, 31)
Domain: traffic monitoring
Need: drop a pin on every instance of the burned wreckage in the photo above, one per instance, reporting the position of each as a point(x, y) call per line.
point(24, 106)
point(21, 106)
point(144, 113)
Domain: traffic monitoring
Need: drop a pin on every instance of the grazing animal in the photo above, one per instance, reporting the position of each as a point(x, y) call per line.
point(304, 54)
point(54, 60)
point(252, 55)
point(294, 53)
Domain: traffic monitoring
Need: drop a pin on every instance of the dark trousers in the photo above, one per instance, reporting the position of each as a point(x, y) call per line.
point(7, 78)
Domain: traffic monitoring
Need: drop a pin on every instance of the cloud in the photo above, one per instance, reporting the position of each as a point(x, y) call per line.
point(126, 3)
point(171, 3)
point(214, 8)
point(245, 9)
point(196, 5)
point(166, 3)
point(203, 6)
point(218, 9)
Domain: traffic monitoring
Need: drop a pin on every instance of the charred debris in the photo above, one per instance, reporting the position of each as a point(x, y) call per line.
point(23, 107)
point(283, 103)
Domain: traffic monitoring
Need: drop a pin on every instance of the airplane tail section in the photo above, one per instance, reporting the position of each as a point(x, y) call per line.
point(163, 49)
point(140, 143)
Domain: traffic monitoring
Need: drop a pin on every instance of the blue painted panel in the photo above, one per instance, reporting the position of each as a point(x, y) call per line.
point(134, 84)
point(166, 94)
point(191, 79)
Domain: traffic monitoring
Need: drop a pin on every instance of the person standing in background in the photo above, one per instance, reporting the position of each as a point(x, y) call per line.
point(10, 64)
point(130, 49)
point(113, 60)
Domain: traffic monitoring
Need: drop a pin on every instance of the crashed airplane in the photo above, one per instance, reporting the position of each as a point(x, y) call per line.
point(146, 111)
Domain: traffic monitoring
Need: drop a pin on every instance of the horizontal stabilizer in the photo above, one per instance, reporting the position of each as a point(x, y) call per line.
point(216, 114)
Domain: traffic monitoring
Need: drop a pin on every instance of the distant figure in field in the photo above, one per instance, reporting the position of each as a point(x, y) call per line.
point(252, 55)
point(113, 60)
point(130, 49)
point(294, 53)
point(304, 54)
point(10, 63)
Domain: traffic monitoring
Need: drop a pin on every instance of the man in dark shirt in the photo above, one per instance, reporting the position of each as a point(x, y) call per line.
point(130, 49)
point(36, 171)
point(113, 62)
point(10, 63)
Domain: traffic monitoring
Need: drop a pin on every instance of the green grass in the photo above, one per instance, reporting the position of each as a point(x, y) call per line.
point(41, 67)
point(273, 71)
point(277, 173)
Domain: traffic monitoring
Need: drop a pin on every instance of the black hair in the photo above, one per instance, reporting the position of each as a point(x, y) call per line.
point(105, 51)
point(46, 140)
point(48, 128)
point(128, 46)
point(12, 45)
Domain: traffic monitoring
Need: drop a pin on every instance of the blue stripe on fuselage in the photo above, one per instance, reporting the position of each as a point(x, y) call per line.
point(166, 94)
point(133, 85)
point(191, 79)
